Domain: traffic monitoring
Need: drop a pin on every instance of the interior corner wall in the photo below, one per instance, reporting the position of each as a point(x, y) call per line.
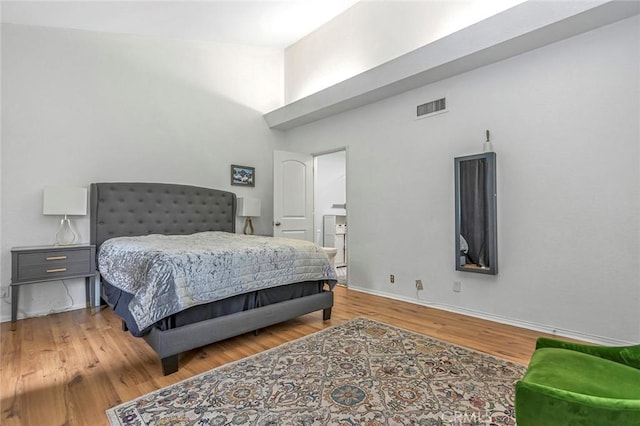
point(81, 107)
point(564, 124)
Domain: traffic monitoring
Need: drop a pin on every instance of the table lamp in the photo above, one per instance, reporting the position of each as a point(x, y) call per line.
point(248, 207)
point(65, 200)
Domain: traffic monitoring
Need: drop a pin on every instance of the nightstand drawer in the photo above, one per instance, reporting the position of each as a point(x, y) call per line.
point(52, 265)
point(53, 257)
point(53, 271)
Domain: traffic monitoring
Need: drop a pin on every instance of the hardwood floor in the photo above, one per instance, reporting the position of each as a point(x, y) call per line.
point(68, 368)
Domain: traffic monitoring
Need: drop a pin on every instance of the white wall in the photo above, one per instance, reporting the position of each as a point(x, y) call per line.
point(564, 120)
point(373, 32)
point(81, 107)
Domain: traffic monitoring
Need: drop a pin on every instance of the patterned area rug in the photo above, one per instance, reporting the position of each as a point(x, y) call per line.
point(361, 372)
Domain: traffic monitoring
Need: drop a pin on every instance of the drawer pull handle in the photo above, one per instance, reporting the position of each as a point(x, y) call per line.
point(56, 270)
point(56, 257)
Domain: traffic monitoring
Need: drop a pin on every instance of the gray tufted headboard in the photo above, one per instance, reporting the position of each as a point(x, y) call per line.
point(127, 209)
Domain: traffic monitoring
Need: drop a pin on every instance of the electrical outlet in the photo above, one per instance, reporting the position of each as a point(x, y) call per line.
point(456, 286)
point(392, 278)
point(419, 285)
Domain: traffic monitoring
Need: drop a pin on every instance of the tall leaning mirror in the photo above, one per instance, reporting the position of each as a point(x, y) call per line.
point(476, 223)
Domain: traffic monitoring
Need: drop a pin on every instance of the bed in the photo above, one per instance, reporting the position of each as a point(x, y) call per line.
point(121, 210)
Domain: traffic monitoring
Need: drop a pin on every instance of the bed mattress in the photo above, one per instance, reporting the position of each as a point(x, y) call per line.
point(166, 274)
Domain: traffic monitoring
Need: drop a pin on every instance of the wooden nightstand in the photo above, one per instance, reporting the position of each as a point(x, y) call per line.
point(50, 263)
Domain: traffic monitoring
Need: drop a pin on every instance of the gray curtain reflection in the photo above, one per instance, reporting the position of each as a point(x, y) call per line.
point(474, 223)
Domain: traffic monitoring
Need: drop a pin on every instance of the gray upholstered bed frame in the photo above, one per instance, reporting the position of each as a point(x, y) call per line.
point(126, 209)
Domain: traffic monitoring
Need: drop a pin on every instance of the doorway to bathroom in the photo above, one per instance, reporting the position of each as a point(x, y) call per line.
point(330, 207)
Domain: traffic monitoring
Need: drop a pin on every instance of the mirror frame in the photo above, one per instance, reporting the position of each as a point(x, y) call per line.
point(491, 202)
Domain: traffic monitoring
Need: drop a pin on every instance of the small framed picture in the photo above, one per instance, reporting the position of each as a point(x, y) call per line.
point(243, 175)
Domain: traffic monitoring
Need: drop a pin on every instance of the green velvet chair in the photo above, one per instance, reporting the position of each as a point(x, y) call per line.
point(571, 384)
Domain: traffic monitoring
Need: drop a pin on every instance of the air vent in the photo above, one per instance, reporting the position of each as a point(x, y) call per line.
point(432, 107)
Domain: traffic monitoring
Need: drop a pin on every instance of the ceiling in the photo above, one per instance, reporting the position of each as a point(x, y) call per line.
point(267, 23)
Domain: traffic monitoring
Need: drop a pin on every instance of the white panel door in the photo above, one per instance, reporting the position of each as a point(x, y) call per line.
point(293, 195)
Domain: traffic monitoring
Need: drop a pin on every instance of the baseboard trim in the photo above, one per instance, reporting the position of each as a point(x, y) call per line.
point(544, 328)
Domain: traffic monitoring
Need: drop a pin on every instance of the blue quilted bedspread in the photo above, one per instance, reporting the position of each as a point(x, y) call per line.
point(169, 273)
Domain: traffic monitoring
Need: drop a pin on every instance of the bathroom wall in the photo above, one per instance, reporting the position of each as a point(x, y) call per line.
point(329, 188)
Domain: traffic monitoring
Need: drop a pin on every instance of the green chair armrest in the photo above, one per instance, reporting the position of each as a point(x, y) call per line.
point(627, 355)
point(539, 405)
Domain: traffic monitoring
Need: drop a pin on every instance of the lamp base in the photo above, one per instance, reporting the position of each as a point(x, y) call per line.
point(65, 235)
point(248, 223)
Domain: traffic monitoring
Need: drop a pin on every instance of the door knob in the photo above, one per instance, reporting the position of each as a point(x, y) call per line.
point(277, 224)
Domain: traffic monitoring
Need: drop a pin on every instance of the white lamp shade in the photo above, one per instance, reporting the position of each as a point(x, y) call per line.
point(248, 207)
point(64, 200)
